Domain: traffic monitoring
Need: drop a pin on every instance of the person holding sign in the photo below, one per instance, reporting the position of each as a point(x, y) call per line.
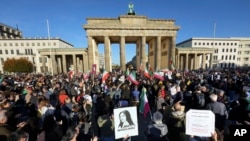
point(125, 120)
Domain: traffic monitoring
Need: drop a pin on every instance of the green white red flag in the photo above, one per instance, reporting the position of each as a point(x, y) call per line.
point(144, 105)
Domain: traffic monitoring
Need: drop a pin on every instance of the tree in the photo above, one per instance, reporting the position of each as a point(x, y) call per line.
point(17, 65)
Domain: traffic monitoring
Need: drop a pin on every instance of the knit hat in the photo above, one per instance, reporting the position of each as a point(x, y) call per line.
point(157, 117)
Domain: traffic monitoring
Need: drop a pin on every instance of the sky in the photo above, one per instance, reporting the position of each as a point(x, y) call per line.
point(196, 18)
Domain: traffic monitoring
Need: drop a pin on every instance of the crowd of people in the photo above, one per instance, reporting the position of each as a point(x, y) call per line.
point(36, 107)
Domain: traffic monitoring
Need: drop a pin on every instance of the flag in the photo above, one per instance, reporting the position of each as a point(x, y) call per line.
point(171, 64)
point(71, 74)
point(159, 75)
point(146, 73)
point(132, 78)
point(127, 72)
point(141, 68)
point(105, 75)
point(85, 76)
point(144, 105)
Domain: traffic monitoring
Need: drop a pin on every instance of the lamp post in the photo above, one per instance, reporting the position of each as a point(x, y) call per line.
point(51, 61)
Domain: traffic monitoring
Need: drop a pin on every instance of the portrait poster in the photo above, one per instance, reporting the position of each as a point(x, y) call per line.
point(200, 123)
point(125, 121)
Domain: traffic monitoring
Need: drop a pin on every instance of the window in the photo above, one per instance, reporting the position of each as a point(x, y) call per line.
point(2, 60)
point(234, 57)
point(26, 52)
point(31, 51)
point(12, 51)
point(235, 50)
point(195, 43)
point(235, 44)
point(232, 44)
point(5, 44)
point(226, 57)
point(43, 44)
point(216, 44)
point(223, 50)
point(33, 44)
point(1, 52)
point(206, 57)
point(17, 51)
point(6, 51)
point(219, 44)
point(223, 44)
point(227, 50)
point(245, 58)
point(203, 44)
point(38, 44)
point(212, 43)
point(11, 44)
point(207, 44)
point(227, 44)
point(246, 52)
point(231, 50)
point(238, 59)
point(229, 57)
point(54, 44)
point(222, 57)
point(16, 44)
point(239, 52)
point(232, 65)
point(27, 44)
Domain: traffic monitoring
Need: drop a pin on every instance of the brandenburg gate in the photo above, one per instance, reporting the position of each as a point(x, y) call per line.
point(159, 35)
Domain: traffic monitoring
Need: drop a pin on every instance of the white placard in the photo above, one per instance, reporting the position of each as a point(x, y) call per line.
point(200, 123)
point(126, 122)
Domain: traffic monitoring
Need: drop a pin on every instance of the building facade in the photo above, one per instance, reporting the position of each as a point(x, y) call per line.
point(28, 48)
point(158, 34)
point(227, 52)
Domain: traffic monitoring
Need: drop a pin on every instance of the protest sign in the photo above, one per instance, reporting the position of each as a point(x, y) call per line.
point(200, 123)
point(126, 122)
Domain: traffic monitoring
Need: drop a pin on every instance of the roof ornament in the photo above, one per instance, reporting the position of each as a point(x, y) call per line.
point(131, 10)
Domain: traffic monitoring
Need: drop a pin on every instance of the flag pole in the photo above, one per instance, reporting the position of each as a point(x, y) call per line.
point(51, 61)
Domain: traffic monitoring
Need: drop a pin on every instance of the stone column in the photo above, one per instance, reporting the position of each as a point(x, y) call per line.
point(186, 64)
point(64, 63)
point(78, 64)
point(143, 51)
point(43, 63)
point(107, 54)
point(91, 52)
point(211, 61)
point(138, 54)
point(177, 61)
point(74, 61)
point(203, 60)
point(59, 65)
point(173, 50)
point(122, 53)
point(158, 53)
point(181, 63)
point(54, 65)
point(195, 61)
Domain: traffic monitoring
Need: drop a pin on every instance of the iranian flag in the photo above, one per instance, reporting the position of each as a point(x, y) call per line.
point(105, 75)
point(144, 105)
point(159, 75)
point(172, 64)
point(132, 78)
point(146, 73)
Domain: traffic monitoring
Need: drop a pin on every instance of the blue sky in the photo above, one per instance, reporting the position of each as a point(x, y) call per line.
point(66, 17)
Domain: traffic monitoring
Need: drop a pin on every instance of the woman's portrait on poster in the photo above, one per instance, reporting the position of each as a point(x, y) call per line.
point(125, 120)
